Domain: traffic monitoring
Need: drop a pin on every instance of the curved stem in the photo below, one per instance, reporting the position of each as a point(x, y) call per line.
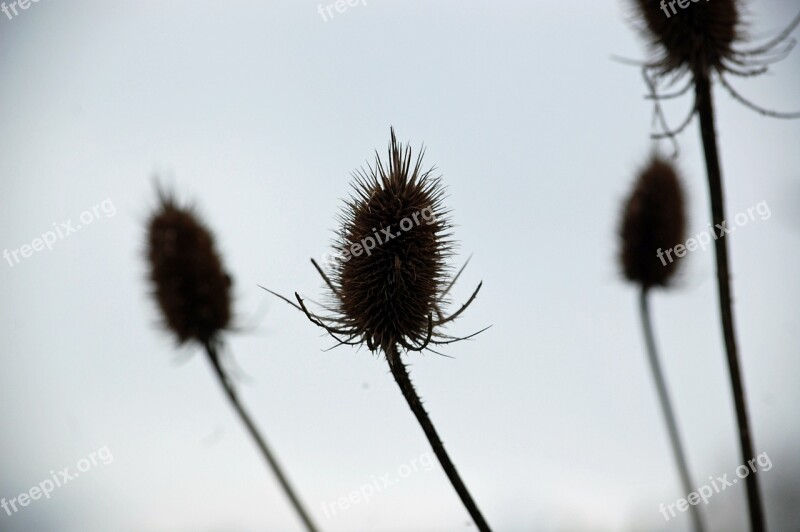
point(666, 407)
point(705, 109)
point(403, 380)
point(211, 350)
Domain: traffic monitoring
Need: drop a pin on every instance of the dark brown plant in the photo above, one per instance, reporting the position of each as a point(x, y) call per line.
point(704, 40)
point(392, 296)
point(653, 222)
point(189, 282)
point(192, 290)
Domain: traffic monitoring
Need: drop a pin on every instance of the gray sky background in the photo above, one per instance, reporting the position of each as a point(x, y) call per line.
point(258, 112)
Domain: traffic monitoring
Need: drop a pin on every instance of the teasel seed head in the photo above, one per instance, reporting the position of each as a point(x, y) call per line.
point(698, 38)
point(188, 280)
point(390, 294)
point(653, 221)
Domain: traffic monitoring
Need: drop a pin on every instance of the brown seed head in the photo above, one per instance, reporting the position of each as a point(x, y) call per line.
point(188, 279)
point(386, 295)
point(653, 220)
point(698, 38)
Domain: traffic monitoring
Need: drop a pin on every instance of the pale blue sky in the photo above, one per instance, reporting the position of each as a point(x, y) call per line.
point(259, 111)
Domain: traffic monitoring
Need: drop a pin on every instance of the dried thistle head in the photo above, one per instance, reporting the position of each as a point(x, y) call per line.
point(704, 39)
point(653, 221)
point(389, 285)
point(188, 280)
point(698, 37)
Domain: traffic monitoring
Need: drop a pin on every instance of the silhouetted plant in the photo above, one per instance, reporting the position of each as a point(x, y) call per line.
point(704, 40)
point(653, 220)
point(192, 290)
point(392, 296)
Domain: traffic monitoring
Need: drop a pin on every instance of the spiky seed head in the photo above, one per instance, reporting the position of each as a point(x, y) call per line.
point(653, 220)
point(698, 38)
point(188, 280)
point(387, 293)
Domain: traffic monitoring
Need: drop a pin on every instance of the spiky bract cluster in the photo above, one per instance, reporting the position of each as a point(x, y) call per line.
point(189, 283)
point(391, 293)
point(697, 38)
point(653, 221)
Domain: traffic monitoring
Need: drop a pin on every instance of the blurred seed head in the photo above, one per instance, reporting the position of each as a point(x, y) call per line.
point(188, 280)
point(387, 296)
point(698, 38)
point(653, 219)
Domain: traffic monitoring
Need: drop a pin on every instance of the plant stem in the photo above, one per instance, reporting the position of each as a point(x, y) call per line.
point(403, 380)
point(705, 110)
point(211, 350)
point(666, 406)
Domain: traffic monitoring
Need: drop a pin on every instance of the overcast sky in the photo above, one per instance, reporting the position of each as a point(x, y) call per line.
point(258, 112)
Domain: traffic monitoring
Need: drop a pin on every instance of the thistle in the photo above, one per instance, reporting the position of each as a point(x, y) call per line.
point(189, 282)
point(192, 290)
point(388, 288)
point(706, 40)
point(654, 220)
point(700, 37)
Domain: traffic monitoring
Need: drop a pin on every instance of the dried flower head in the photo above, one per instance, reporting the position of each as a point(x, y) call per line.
point(389, 285)
point(698, 37)
point(653, 221)
point(189, 283)
point(704, 38)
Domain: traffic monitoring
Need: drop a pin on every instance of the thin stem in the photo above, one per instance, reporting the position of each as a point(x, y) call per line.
point(211, 350)
point(401, 376)
point(666, 406)
point(705, 109)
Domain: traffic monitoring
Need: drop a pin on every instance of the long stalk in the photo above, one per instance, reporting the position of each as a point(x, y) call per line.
point(705, 110)
point(211, 350)
point(666, 407)
point(403, 380)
